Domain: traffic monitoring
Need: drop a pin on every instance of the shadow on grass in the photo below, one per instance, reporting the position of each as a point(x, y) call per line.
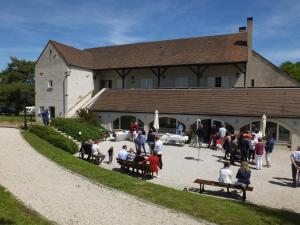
point(132, 174)
point(219, 193)
point(6, 222)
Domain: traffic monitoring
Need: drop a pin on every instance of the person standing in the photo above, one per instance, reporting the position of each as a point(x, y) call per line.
point(295, 158)
point(158, 147)
point(259, 151)
point(269, 149)
point(110, 154)
point(154, 163)
point(151, 141)
point(141, 140)
point(253, 142)
point(200, 134)
point(222, 133)
point(233, 149)
point(244, 147)
point(213, 136)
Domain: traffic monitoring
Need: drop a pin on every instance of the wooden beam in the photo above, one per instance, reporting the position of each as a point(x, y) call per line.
point(198, 72)
point(240, 69)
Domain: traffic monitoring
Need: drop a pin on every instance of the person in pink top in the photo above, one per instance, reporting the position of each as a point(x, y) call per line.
point(259, 151)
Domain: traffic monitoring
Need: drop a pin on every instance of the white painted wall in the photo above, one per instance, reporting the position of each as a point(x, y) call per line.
point(80, 86)
point(50, 67)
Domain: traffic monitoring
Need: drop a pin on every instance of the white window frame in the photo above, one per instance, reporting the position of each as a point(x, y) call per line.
point(50, 83)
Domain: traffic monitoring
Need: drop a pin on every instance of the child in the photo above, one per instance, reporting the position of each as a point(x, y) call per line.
point(110, 154)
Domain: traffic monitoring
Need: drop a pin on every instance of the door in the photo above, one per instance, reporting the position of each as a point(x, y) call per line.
point(52, 111)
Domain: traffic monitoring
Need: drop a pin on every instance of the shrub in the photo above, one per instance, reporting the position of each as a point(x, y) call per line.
point(87, 116)
point(54, 137)
point(72, 127)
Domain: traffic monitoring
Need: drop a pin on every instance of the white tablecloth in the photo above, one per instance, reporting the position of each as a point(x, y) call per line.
point(177, 139)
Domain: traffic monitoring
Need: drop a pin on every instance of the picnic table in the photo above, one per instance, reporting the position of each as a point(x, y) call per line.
point(174, 139)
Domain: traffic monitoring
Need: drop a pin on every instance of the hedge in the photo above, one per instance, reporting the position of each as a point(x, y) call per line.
point(53, 137)
point(72, 127)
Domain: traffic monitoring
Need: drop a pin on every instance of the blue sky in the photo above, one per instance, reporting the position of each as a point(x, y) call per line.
point(26, 26)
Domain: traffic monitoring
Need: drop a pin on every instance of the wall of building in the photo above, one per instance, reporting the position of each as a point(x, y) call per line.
point(173, 77)
point(79, 86)
point(265, 74)
point(50, 66)
point(237, 122)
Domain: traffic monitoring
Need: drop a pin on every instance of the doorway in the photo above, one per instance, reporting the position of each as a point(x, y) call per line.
point(52, 111)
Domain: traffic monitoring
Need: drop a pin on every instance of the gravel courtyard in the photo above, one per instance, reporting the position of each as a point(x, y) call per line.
point(69, 199)
point(272, 186)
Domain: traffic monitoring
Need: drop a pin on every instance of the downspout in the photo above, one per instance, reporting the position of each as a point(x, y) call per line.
point(67, 73)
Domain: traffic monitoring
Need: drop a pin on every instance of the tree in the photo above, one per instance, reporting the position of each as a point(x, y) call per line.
point(17, 84)
point(293, 69)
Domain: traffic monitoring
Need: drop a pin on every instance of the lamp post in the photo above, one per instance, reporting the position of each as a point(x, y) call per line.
point(25, 119)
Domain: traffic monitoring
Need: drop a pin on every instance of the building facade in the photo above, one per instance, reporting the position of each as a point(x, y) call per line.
point(68, 78)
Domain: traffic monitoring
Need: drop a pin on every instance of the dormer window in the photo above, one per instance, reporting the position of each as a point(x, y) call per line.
point(50, 84)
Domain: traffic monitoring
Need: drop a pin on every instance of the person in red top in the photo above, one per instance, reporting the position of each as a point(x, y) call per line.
point(259, 151)
point(154, 161)
point(133, 127)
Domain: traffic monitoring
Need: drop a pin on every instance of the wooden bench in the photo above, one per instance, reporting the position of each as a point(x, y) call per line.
point(136, 167)
point(227, 186)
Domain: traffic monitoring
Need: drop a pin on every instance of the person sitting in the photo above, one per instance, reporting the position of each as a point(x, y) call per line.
point(130, 155)
point(97, 153)
point(243, 175)
point(225, 174)
point(122, 154)
point(154, 162)
point(138, 158)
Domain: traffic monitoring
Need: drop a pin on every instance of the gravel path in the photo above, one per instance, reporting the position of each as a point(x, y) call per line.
point(67, 198)
point(272, 186)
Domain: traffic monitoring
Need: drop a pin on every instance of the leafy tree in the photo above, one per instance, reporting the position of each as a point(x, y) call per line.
point(293, 69)
point(17, 84)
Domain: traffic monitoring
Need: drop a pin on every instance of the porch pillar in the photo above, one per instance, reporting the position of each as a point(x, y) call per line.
point(158, 73)
point(123, 74)
point(198, 72)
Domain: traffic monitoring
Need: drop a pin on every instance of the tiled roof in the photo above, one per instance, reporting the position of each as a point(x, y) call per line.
point(228, 48)
point(274, 102)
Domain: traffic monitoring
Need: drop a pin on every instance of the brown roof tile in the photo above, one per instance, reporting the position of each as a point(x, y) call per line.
point(239, 102)
point(200, 50)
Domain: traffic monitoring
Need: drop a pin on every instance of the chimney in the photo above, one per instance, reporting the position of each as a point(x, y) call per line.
point(249, 35)
point(242, 29)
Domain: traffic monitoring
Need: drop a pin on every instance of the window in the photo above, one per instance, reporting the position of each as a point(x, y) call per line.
point(41, 109)
point(181, 82)
point(146, 83)
point(252, 83)
point(284, 134)
point(218, 82)
point(50, 84)
point(106, 83)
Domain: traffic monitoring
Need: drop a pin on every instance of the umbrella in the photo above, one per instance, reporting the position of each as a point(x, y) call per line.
point(263, 125)
point(156, 121)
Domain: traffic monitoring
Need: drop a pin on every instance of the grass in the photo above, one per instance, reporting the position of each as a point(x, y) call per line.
point(220, 211)
point(16, 119)
point(13, 212)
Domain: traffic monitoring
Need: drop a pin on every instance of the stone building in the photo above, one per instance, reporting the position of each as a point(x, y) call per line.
point(68, 78)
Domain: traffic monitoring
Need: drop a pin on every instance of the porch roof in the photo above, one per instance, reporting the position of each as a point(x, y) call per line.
point(274, 102)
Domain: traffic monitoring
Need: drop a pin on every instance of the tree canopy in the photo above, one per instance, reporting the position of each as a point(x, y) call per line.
point(17, 84)
point(293, 69)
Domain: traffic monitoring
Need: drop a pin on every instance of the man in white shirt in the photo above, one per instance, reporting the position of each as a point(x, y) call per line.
point(158, 147)
point(222, 131)
point(225, 174)
point(122, 154)
point(97, 153)
point(295, 158)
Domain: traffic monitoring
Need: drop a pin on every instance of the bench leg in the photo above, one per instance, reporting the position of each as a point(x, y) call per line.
point(244, 194)
point(201, 188)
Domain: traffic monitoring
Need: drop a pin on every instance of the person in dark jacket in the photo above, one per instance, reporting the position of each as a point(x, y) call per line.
point(244, 147)
point(269, 149)
point(200, 134)
point(151, 140)
point(243, 175)
point(233, 149)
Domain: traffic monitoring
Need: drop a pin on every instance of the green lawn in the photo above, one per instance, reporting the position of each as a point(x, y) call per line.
point(16, 119)
point(221, 211)
point(13, 212)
